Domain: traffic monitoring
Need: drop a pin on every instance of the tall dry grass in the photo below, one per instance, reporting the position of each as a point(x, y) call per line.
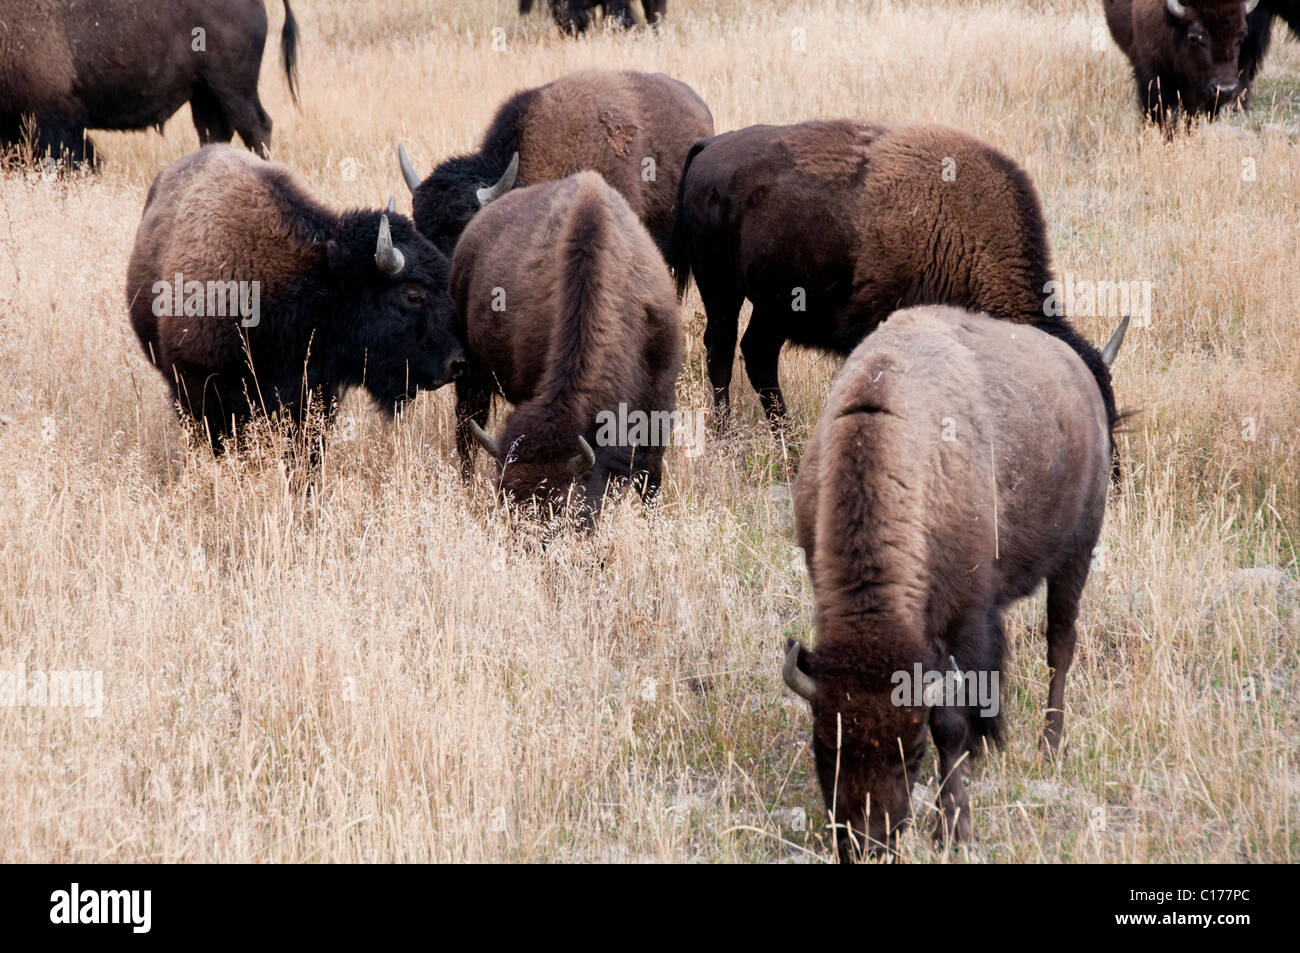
point(388, 667)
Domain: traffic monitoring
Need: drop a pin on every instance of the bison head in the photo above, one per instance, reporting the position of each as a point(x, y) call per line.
point(446, 201)
point(867, 749)
point(395, 315)
point(547, 473)
point(1205, 42)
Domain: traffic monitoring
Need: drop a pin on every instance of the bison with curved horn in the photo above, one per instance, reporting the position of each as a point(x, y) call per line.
point(633, 128)
point(959, 461)
point(568, 311)
point(1187, 55)
point(252, 297)
point(828, 227)
point(71, 65)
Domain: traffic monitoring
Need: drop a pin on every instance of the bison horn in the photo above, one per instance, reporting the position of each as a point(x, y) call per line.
point(1111, 349)
point(388, 257)
point(1177, 9)
point(1249, 6)
point(799, 682)
point(392, 205)
point(484, 439)
point(408, 171)
point(504, 185)
point(584, 459)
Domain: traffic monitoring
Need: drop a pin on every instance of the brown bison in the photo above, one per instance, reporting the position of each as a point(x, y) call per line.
point(574, 16)
point(250, 296)
point(828, 227)
point(569, 313)
point(71, 65)
point(633, 128)
point(1186, 54)
point(959, 461)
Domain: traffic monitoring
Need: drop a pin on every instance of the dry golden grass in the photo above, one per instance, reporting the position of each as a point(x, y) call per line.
point(392, 669)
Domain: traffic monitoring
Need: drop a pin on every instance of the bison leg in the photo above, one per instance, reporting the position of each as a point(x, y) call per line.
point(761, 347)
point(722, 323)
point(209, 118)
point(950, 730)
point(237, 100)
point(473, 402)
point(655, 11)
point(1063, 594)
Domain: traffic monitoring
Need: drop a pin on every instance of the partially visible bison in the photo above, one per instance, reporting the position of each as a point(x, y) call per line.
point(959, 461)
point(71, 65)
point(633, 128)
point(1186, 55)
point(828, 227)
point(568, 312)
point(574, 16)
point(250, 296)
point(1259, 34)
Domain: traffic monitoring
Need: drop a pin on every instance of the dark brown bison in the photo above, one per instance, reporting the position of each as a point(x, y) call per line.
point(250, 296)
point(828, 227)
point(633, 128)
point(71, 65)
point(1185, 53)
point(569, 313)
point(1259, 33)
point(574, 16)
point(959, 461)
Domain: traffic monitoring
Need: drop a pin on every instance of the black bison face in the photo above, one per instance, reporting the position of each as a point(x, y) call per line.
point(458, 188)
point(867, 751)
point(400, 318)
point(1207, 44)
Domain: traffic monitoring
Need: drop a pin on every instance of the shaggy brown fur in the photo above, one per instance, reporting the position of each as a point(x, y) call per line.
point(71, 65)
point(585, 319)
point(329, 318)
point(608, 122)
point(850, 221)
point(915, 543)
point(1183, 65)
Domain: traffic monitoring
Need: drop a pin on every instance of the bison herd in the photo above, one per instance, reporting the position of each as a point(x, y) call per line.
point(963, 454)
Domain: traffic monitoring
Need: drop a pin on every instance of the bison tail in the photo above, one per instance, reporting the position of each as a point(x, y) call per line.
point(289, 52)
point(679, 255)
point(582, 254)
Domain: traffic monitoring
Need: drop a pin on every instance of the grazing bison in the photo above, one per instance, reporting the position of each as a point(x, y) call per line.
point(1259, 33)
point(1185, 55)
point(828, 227)
point(633, 128)
point(250, 296)
point(574, 16)
point(71, 65)
point(569, 313)
point(959, 461)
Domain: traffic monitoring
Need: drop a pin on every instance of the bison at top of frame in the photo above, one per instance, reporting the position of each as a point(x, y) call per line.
point(1191, 57)
point(959, 461)
point(568, 312)
point(829, 226)
point(250, 296)
point(633, 128)
point(575, 16)
point(70, 65)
